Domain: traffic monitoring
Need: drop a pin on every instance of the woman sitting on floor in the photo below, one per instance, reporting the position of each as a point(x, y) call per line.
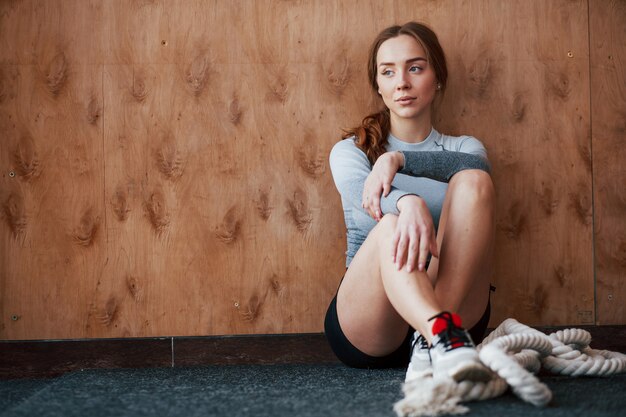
point(419, 212)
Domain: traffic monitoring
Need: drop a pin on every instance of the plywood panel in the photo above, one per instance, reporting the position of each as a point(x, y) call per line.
point(608, 115)
point(525, 94)
point(249, 227)
point(266, 31)
point(54, 233)
point(35, 31)
point(171, 160)
point(205, 228)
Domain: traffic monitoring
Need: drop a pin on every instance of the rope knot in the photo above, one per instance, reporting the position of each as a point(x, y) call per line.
point(514, 352)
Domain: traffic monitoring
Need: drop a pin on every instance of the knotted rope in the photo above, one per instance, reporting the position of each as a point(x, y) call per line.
point(514, 352)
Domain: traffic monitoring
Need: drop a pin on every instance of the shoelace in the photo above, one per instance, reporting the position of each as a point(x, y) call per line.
point(421, 342)
point(452, 336)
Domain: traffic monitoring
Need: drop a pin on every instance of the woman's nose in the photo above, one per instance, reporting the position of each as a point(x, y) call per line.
point(403, 83)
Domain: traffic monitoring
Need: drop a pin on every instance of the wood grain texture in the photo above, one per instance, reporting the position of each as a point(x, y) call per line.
point(33, 32)
point(170, 161)
point(608, 115)
point(54, 232)
point(212, 222)
point(525, 94)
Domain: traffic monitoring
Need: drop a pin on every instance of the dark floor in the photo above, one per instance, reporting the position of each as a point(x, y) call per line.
point(272, 391)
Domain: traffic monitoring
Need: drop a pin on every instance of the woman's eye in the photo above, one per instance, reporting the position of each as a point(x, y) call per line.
point(387, 72)
point(415, 68)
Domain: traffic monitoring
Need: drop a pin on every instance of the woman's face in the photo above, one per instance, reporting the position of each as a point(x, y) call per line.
point(406, 81)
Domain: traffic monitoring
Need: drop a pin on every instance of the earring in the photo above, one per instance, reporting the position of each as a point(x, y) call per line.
point(438, 86)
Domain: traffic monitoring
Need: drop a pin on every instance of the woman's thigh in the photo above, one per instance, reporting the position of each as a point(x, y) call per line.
point(365, 314)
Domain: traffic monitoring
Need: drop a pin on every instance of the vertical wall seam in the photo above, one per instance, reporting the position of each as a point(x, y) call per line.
point(172, 352)
point(593, 194)
point(104, 169)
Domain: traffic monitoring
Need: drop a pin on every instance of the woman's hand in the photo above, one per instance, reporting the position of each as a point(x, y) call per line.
point(378, 182)
point(415, 236)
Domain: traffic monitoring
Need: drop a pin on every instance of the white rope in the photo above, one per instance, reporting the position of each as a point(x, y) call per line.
point(514, 352)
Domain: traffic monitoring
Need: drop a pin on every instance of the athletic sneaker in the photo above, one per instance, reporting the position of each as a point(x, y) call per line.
point(453, 353)
point(420, 358)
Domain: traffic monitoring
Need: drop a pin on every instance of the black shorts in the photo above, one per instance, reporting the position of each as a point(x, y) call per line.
point(351, 356)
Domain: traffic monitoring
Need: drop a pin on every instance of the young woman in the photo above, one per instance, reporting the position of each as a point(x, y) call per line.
point(419, 212)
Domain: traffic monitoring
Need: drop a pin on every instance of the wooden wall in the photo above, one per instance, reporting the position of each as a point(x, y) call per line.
point(607, 21)
point(164, 163)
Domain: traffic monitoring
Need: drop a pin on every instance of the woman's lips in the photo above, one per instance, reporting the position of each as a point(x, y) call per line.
point(405, 100)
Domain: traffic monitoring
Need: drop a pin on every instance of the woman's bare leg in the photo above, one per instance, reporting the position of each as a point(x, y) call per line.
point(465, 238)
point(376, 302)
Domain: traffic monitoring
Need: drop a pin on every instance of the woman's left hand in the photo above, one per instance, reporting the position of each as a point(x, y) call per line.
point(378, 182)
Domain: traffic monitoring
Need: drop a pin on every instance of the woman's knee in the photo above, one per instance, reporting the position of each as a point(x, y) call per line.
point(385, 230)
point(388, 222)
point(473, 183)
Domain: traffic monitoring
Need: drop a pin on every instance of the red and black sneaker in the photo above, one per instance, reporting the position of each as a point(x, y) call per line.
point(453, 353)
